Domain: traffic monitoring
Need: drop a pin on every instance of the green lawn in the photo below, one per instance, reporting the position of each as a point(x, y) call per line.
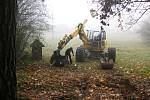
point(133, 57)
point(134, 60)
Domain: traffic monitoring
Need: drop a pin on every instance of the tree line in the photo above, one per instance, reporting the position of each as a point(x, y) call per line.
point(31, 23)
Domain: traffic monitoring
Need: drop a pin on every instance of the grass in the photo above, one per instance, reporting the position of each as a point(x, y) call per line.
point(132, 57)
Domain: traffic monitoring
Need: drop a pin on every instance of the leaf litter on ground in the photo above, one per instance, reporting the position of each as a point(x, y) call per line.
point(86, 81)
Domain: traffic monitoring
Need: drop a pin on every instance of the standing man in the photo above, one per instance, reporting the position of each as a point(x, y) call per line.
point(68, 54)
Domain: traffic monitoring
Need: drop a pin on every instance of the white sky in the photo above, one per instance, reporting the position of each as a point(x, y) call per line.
point(68, 11)
point(72, 12)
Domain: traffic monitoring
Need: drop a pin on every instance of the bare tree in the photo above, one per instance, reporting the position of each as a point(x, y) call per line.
point(130, 10)
point(31, 22)
point(145, 32)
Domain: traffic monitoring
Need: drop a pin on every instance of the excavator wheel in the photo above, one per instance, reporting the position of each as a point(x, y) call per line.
point(80, 54)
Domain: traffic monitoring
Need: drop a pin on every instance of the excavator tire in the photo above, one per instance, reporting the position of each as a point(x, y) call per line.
point(112, 54)
point(80, 54)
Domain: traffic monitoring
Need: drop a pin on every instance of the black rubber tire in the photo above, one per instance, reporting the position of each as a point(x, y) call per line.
point(112, 54)
point(80, 54)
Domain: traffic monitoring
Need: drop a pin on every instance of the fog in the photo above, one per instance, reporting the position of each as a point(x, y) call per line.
point(67, 14)
point(144, 31)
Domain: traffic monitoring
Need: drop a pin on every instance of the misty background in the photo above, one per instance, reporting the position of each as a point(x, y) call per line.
point(67, 14)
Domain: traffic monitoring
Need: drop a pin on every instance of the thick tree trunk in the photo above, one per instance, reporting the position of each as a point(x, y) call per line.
point(7, 50)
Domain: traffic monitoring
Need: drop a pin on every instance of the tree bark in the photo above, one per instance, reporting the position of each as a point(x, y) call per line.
point(7, 50)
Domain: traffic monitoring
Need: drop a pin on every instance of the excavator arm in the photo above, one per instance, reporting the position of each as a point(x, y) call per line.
point(78, 31)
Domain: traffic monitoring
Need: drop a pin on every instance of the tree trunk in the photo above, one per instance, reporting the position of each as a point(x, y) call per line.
point(7, 50)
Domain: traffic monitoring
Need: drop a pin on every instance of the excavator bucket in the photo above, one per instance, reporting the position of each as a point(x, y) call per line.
point(58, 60)
point(107, 64)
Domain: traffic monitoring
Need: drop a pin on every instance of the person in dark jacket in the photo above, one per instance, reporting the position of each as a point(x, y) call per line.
point(56, 58)
point(68, 54)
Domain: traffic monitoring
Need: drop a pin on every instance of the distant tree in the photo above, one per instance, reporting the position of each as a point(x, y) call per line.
point(145, 31)
point(31, 22)
point(133, 10)
point(7, 50)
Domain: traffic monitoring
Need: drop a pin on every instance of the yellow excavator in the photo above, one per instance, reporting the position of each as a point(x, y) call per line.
point(94, 46)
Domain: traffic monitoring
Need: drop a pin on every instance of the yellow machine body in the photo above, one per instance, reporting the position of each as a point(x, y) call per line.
point(91, 45)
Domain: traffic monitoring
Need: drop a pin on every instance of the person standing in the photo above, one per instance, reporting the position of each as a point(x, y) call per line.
point(68, 54)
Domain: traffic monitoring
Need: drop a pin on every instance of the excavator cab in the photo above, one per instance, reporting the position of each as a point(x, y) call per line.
point(97, 40)
point(96, 35)
point(94, 46)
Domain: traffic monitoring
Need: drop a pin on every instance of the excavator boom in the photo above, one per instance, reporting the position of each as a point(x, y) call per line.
point(78, 31)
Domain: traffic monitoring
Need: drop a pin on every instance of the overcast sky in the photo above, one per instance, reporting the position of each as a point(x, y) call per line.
point(72, 12)
point(68, 11)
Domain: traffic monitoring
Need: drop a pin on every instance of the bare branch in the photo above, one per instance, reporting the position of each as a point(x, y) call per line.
point(30, 21)
point(128, 8)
